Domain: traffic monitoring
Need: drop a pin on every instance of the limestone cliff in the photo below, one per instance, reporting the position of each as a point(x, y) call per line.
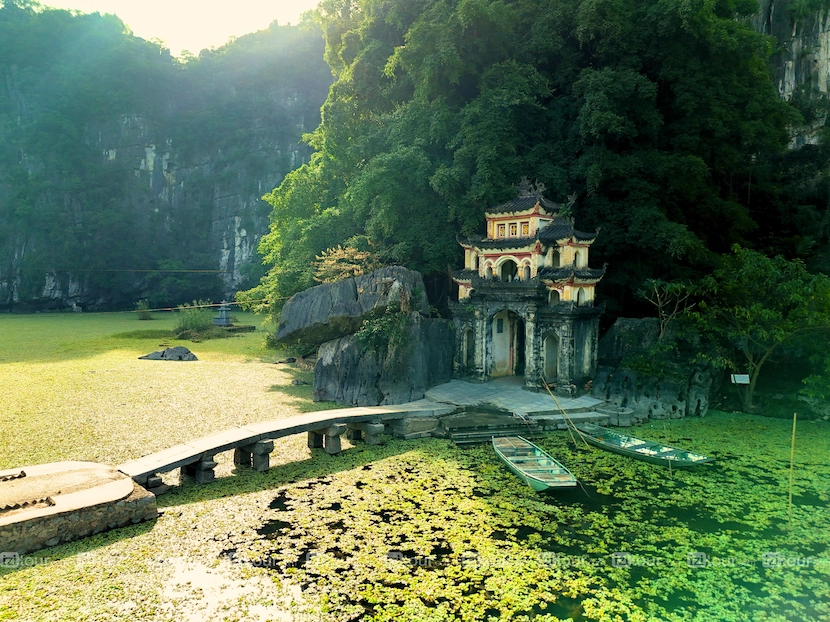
point(801, 61)
point(125, 173)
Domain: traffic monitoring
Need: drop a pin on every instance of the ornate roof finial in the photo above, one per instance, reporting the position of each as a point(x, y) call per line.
point(527, 189)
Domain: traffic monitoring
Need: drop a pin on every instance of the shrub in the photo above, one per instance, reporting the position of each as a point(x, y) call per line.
point(143, 309)
point(194, 321)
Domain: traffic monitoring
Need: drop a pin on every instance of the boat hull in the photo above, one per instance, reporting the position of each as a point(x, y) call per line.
point(640, 449)
point(532, 464)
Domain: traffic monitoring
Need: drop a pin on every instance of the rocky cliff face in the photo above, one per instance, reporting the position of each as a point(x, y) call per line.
point(126, 174)
point(801, 62)
point(177, 182)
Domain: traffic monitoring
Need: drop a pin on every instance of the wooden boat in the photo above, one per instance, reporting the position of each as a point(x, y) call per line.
point(650, 451)
point(535, 467)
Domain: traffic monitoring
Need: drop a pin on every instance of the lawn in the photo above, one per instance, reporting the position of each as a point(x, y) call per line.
point(410, 531)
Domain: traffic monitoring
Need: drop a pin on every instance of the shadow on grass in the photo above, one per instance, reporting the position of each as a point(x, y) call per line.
point(302, 395)
point(246, 480)
point(79, 547)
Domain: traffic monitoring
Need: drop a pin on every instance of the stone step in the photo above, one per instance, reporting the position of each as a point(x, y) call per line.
point(559, 422)
point(466, 437)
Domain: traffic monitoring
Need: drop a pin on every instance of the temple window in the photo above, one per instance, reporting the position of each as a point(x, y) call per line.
point(513, 229)
point(501, 231)
point(525, 229)
point(508, 270)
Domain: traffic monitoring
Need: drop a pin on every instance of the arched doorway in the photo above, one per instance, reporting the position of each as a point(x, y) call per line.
point(551, 345)
point(553, 297)
point(581, 297)
point(526, 273)
point(469, 349)
point(508, 342)
point(508, 270)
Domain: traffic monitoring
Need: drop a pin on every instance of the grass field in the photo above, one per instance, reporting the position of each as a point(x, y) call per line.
point(74, 388)
point(241, 548)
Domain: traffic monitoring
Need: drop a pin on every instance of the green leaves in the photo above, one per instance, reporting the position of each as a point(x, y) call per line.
point(754, 304)
point(659, 114)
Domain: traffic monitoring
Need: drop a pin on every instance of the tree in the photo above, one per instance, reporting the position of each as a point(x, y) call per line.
point(652, 111)
point(670, 299)
point(754, 304)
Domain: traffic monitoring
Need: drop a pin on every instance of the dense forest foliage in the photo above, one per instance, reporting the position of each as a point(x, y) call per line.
point(119, 163)
point(660, 115)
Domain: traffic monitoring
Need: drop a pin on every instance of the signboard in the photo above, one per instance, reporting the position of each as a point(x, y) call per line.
point(740, 378)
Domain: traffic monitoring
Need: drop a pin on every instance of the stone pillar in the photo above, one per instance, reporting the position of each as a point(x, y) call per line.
point(331, 438)
point(564, 385)
point(201, 471)
point(315, 439)
point(354, 434)
point(154, 484)
point(255, 455)
point(531, 350)
point(373, 431)
point(483, 341)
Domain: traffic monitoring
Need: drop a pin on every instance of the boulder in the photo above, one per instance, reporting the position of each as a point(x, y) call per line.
point(334, 310)
point(349, 373)
point(176, 353)
point(648, 397)
point(679, 391)
point(627, 336)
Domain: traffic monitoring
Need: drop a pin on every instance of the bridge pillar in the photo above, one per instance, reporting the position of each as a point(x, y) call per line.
point(331, 438)
point(315, 439)
point(255, 455)
point(373, 432)
point(202, 470)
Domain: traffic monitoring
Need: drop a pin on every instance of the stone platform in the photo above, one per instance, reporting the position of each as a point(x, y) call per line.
point(47, 504)
point(509, 394)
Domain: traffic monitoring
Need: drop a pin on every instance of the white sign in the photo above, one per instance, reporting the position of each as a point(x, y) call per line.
point(740, 378)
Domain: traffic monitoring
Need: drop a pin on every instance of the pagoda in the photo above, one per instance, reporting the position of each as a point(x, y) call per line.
point(526, 296)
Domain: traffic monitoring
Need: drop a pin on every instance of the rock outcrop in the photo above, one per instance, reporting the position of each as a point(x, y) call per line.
point(350, 373)
point(676, 392)
point(335, 310)
point(176, 353)
point(802, 55)
point(649, 397)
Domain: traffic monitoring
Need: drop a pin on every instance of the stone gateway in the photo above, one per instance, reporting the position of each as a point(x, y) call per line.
point(526, 296)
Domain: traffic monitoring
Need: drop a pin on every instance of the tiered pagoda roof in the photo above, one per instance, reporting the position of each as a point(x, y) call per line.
point(571, 274)
point(524, 203)
point(560, 230)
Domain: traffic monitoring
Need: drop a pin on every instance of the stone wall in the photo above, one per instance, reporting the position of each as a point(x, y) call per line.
point(32, 535)
point(349, 373)
point(802, 55)
point(648, 397)
point(678, 391)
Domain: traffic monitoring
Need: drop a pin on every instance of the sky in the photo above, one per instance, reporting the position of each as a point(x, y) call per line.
point(193, 24)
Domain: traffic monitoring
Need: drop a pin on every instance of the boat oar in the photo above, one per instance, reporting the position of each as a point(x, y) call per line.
point(571, 425)
point(792, 458)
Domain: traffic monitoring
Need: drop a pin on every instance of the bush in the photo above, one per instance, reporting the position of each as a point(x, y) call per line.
point(143, 308)
point(194, 321)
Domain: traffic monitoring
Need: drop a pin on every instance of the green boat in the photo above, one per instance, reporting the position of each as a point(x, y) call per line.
point(650, 451)
point(533, 465)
